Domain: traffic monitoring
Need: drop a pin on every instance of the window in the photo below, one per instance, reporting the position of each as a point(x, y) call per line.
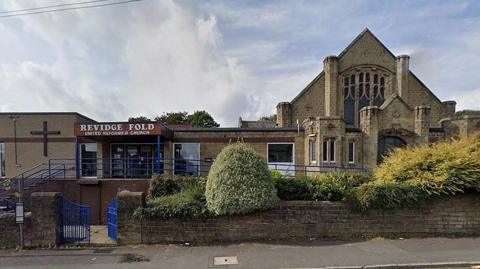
point(186, 159)
point(280, 157)
point(2, 159)
point(88, 153)
point(329, 150)
point(360, 90)
point(312, 149)
point(280, 153)
point(349, 96)
point(351, 152)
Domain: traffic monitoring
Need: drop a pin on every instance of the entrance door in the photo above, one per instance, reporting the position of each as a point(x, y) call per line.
point(139, 161)
point(133, 160)
point(386, 144)
point(88, 155)
point(118, 161)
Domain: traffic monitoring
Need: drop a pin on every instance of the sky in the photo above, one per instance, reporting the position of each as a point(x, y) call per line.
point(230, 58)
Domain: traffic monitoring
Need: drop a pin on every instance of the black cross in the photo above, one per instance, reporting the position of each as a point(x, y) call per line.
point(45, 132)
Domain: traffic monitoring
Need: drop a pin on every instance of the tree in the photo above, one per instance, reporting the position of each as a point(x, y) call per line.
point(271, 118)
point(173, 118)
point(202, 119)
point(139, 119)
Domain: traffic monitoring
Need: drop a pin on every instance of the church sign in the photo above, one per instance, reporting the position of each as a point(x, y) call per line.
point(116, 129)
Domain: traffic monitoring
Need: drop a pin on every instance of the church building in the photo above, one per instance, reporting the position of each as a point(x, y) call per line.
point(365, 102)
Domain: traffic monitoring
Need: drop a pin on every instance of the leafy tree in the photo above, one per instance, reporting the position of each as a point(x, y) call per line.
point(173, 118)
point(202, 119)
point(271, 118)
point(139, 119)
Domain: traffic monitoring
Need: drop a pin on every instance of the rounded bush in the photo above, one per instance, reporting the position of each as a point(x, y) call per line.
point(239, 181)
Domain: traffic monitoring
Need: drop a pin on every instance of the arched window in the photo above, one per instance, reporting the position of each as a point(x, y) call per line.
point(360, 90)
point(349, 95)
point(386, 144)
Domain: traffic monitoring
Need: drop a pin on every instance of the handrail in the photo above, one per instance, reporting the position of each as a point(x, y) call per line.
point(26, 171)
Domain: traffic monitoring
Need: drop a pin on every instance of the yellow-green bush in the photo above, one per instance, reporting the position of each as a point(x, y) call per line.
point(412, 174)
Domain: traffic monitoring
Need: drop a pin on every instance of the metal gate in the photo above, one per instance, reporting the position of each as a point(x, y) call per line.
point(112, 219)
point(74, 222)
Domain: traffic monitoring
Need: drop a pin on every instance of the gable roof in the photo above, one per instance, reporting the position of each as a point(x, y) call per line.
point(425, 86)
point(393, 98)
point(307, 87)
point(365, 32)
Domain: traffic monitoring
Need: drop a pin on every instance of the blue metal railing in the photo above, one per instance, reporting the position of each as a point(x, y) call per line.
point(7, 204)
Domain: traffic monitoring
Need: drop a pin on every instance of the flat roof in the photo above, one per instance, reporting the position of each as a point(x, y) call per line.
point(47, 113)
point(238, 129)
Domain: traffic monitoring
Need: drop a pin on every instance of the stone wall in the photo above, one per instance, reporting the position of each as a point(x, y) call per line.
point(8, 230)
point(453, 216)
point(41, 227)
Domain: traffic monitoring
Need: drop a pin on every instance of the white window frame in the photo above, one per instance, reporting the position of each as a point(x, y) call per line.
point(2, 158)
point(190, 143)
point(353, 152)
point(290, 166)
point(329, 148)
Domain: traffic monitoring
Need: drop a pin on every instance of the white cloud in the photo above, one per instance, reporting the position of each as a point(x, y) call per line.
point(229, 58)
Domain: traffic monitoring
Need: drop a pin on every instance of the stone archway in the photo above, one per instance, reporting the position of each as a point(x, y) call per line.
point(388, 143)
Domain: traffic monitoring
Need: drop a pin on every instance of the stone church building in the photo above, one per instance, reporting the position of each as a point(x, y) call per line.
point(365, 102)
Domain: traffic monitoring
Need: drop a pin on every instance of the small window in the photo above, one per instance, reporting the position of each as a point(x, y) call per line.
point(351, 152)
point(312, 149)
point(186, 159)
point(329, 150)
point(2, 159)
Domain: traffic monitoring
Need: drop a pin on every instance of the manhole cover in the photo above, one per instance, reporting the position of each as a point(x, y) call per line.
point(228, 260)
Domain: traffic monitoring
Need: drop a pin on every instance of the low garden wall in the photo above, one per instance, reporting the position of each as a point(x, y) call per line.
point(41, 223)
point(447, 216)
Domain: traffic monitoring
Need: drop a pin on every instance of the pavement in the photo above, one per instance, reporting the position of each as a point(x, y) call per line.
point(376, 253)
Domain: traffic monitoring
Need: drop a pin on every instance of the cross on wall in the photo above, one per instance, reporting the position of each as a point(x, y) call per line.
point(45, 132)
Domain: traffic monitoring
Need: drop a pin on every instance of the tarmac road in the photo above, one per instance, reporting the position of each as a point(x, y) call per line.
point(305, 254)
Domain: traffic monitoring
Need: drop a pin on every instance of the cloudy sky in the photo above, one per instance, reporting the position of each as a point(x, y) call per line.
point(230, 58)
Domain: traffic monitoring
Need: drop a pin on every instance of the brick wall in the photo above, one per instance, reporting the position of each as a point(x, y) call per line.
point(8, 230)
point(453, 216)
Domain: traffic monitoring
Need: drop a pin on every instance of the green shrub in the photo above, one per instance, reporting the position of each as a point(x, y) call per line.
point(188, 203)
point(327, 187)
point(334, 186)
point(293, 188)
point(161, 185)
point(239, 181)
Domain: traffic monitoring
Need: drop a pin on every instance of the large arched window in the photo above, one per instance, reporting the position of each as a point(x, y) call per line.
point(361, 89)
point(386, 144)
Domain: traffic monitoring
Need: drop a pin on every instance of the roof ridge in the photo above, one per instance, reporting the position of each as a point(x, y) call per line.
point(359, 36)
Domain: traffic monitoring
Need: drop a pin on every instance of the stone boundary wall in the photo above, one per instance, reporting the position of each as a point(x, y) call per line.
point(41, 227)
point(448, 216)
